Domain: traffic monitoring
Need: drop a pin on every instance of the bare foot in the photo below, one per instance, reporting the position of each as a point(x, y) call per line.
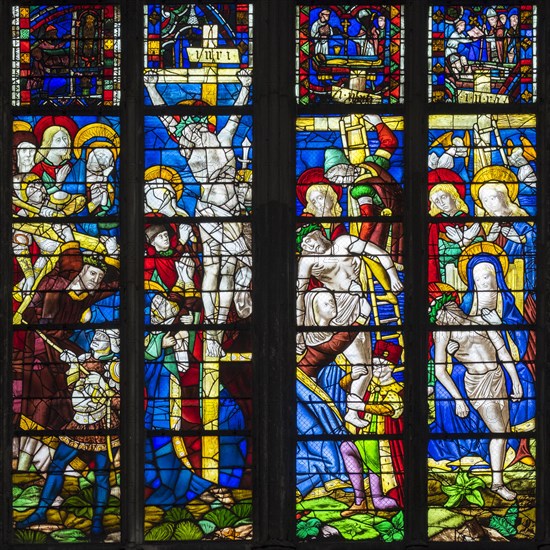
point(503, 492)
point(353, 418)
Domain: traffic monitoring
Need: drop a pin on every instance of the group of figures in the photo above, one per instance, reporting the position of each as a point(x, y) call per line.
point(197, 201)
point(349, 312)
point(350, 54)
point(483, 54)
point(65, 311)
point(67, 56)
point(482, 275)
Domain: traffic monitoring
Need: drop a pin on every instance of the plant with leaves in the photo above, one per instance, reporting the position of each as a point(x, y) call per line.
point(308, 528)
point(466, 487)
point(506, 524)
point(393, 530)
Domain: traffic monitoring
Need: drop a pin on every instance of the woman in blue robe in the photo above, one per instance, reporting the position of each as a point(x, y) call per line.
point(492, 304)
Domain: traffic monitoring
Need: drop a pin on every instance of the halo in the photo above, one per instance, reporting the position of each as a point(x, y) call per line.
point(21, 126)
point(166, 173)
point(96, 130)
point(479, 248)
point(64, 121)
point(494, 174)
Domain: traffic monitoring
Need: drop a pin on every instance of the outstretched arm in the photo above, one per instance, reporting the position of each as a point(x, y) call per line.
point(150, 80)
point(228, 131)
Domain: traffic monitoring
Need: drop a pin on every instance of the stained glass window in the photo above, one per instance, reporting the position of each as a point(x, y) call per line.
point(65, 359)
point(198, 272)
point(482, 272)
point(349, 294)
point(66, 55)
point(483, 54)
point(276, 273)
point(350, 54)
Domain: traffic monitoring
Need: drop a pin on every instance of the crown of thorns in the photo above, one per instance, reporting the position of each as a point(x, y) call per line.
point(95, 261)
point(304, 231)
point(438, 305)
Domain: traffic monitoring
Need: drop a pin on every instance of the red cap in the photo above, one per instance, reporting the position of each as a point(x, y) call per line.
point(388, 350)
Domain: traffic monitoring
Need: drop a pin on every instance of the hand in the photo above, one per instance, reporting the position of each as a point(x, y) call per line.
point(373, 119)
point(187, 319)
point(245, 77)
point(342, 174)
point(68, 356)
point(62, 173)
point(168, 341)
point(185, 268)
point(358, 371)
point(517, 391)
point(99, 194)
point(185, 231)
point(300, 344)
point(151, 79)
point(472, 232)
point(491, 316)
point(461, 409)
point(396, 284)
point(27, 284)
point(452, 347)
point(48, 212)
point(111, 245)
point(454, 234)
point(494, 232)
point(512, 235)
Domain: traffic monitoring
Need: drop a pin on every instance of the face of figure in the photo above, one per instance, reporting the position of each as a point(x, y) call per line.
point(161, 242)
point(451, 314)
point(381, 22)
point(100, 344)
point(325, 307)
point(322, 203)
point(444, 202)
point(460, 26)
point(35, 193)
point(492, 20)
point(60, 143)
point(315, 242)
point(91, 277)
point(380, 367)
point(100, 161)
point(493, 202)
point(324, 16)
point(514, 20)
point(25, 156)
point(484, 277)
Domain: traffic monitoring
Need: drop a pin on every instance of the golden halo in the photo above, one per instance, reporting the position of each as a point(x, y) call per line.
point(21, 126)
point(478, 248)
point(96, 130)
point(494, 174)
point(114, 371)
point(168, 174)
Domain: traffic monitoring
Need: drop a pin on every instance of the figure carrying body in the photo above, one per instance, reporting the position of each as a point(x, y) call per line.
point(335, 265)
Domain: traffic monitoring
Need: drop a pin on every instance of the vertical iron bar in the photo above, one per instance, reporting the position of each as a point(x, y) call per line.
point(274, 301)
point(131, 215)
point(415, 227)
